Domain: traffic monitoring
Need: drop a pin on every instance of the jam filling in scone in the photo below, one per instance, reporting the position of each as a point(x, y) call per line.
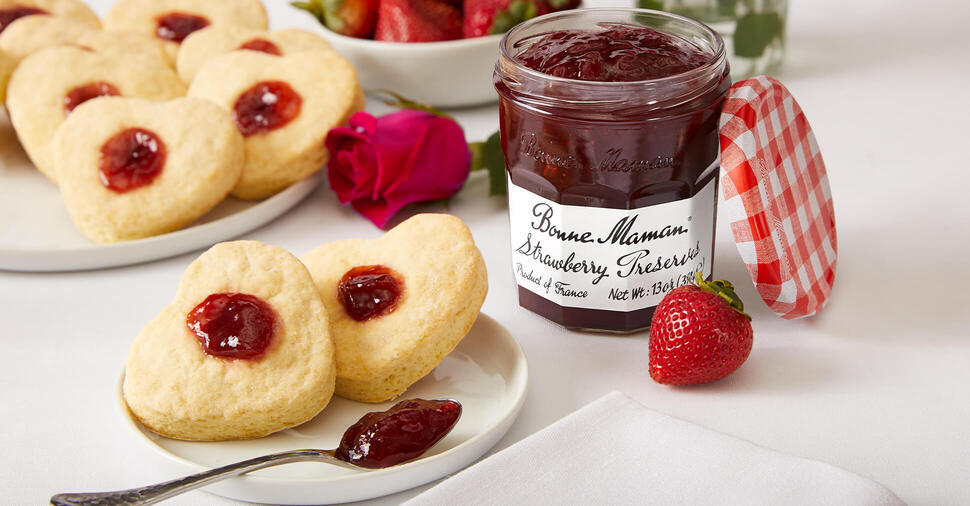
point(176, 26)
point(12, 11)
point(233, 325)
point(131, 159)
point(11, 14)
point(263, 46)
point(86, 92)
point(399, 304)
point(370, 291)
point(265, 107)
point(243, 350)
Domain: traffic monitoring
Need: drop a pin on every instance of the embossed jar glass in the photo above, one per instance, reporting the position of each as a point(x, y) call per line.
point(613, 185)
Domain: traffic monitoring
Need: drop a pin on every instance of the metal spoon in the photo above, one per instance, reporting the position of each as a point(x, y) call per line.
point(161, 491)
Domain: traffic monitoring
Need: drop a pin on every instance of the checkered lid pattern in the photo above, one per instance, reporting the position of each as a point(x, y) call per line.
point(777, 197)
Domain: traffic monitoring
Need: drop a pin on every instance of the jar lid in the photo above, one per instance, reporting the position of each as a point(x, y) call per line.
point(777, 197)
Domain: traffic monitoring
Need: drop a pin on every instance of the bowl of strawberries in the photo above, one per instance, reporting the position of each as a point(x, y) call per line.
point(439, 52)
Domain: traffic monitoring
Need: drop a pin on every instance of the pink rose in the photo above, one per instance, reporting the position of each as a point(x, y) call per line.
point(380, 165)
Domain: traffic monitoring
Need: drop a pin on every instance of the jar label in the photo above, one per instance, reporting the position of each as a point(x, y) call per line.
point(610, 259)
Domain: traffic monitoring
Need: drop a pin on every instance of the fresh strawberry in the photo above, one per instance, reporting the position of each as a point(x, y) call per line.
point(486, 17)
point(699, 334)
point(417, 21)
point(353, 18)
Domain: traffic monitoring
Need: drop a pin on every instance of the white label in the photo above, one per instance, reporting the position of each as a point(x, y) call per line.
point(613, 259)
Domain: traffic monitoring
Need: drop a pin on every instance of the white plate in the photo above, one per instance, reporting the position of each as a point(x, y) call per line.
point(487, 373)
point(37, 234)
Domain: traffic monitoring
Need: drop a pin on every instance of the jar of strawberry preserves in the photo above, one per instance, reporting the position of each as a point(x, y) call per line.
point(609, 123)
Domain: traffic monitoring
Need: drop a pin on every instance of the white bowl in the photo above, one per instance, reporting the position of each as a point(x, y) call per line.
point(454, 73)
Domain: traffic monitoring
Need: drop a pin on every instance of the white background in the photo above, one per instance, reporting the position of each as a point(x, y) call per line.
point(879, 383)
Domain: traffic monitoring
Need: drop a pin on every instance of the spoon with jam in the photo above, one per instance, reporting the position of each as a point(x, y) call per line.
point(377, 441)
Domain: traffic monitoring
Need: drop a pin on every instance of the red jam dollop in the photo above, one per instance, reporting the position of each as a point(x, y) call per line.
point(619, 53)
point(131, 159)
point(233, 325)
point(15, 12)
point(402, 433)
point(266, 106)
point(370, 291)
point(262, 45)
point(89, 91)
point(176, 26)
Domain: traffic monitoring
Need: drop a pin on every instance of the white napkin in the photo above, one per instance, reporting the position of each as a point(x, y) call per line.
point(616, 451)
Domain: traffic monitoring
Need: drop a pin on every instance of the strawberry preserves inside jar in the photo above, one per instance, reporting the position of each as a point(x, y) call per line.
point(610, 130)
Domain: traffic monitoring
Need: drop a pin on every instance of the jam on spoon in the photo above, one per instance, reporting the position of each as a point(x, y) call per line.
point(370, 291)
point(378, 440)
point(402, 433)
point(233, 325)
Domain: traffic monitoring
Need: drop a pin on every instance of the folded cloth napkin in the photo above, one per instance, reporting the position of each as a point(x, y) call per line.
point(616, 451)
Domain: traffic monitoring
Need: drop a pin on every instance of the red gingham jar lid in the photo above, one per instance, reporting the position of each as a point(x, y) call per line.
point(777, 197)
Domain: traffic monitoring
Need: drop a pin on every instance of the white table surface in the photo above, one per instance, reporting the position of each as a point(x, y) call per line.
point(879, 383)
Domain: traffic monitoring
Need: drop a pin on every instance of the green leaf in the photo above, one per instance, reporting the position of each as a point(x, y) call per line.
point(517, 12)
point(488, 156)
point(657, 5)
point(755, 32)
point(313, 7)
point(727, 7)
point(394, 99)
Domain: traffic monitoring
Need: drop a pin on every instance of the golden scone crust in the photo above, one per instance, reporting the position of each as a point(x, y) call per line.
point(204, 160)
point(141, 15)
point(214, 41)
point(75, 9)
point(445, 283)
point(35, 96)
point(30, 34)
point(276, 159)
point(177, 390)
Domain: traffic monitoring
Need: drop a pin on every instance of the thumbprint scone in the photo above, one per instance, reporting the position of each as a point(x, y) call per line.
point(243, 350)
point(130, 168)
point(284, 106)
point(398, 304)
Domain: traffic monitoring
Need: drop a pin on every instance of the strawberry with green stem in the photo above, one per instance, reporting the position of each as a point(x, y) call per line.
point(353, 18)
point(699, 333)
point(487, 17)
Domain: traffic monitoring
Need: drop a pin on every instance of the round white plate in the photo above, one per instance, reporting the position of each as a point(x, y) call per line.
point(487, 373)
point(37, 234)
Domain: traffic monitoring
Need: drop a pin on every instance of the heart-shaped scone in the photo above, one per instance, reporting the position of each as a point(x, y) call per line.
point(47, 86)
point(284, 106)
point(243, 351)
point(33, 33)
point(215, 41)
point(130, 168)
point(12, 10)
point(174, 20)
point(399, 304)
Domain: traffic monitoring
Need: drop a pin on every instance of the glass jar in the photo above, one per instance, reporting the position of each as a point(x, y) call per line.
point(612, 185)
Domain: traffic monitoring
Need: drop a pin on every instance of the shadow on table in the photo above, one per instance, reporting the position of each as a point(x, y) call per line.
point(891, 285)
